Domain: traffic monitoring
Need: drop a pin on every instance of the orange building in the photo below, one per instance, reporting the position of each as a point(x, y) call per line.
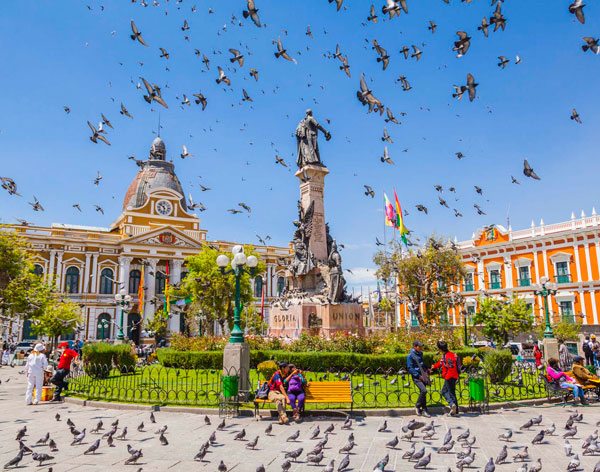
point(502, 262)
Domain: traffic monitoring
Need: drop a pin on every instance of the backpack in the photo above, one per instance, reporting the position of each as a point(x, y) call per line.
point(263, 391)
point(586, 347)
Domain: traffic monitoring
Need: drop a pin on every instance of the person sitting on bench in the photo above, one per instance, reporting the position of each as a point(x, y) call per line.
point(277, 393)
point(564, 381)
point(582, 375)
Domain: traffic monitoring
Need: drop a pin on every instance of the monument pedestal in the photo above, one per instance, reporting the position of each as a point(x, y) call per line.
point(324, 320)
point(236, 361)
point(550, 348)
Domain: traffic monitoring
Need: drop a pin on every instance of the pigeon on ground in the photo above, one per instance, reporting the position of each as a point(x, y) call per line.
point(41, 458)
point(93, 448)
point(424, 462)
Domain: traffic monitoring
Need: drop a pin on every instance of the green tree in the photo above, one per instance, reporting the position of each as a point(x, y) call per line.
point(58, 317)
point(502, 319)
point(565, 330)
point(252, 322)
point(212, 293)
point(22, 293)
point(425, 277)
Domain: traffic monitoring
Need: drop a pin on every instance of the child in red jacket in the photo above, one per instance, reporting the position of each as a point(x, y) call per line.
point(450, 373)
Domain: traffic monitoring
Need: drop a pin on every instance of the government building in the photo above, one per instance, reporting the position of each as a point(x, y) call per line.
point(156, 230)
point(501, 262)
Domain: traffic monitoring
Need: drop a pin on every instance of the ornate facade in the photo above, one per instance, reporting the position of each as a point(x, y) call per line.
point(501, 262)
point(90, 265)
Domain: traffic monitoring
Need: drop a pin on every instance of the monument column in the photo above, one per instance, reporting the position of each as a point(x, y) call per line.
point(312, 184)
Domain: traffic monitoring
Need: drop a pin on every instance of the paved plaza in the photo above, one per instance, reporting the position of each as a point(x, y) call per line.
point(186, 432)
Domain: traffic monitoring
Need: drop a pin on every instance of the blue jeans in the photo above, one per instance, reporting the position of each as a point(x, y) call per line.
point(577, 390)
point(449, 392)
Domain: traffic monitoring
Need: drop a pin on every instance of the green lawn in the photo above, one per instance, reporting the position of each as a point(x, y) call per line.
point(202, 387)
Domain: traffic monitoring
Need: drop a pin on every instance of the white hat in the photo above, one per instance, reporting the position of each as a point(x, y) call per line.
point(39, 347)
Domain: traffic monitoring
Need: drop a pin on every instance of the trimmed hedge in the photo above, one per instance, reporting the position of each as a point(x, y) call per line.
point(98, 359)
point(313, 361)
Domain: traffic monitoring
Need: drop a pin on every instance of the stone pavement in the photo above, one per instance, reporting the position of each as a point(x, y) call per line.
point(186, 432)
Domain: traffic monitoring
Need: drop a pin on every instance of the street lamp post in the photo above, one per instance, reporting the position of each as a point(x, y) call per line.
point(238, 264)
point(102, 326)
point(545, 289)
point(236, 355)
point(123, 300)
point(465, 314)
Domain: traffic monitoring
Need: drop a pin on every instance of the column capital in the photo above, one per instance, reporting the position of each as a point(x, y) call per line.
point(125, 260)
point(152, 263)
point(176, 263)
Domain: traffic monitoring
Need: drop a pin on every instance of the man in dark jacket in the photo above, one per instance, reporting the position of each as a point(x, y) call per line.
point(449, 365)
point(418, 371)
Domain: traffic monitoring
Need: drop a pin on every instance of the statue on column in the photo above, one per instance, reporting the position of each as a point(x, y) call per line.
point(307, 133)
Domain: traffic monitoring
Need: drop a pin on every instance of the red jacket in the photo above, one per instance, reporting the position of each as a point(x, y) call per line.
point(66, 358)
point(449, 366)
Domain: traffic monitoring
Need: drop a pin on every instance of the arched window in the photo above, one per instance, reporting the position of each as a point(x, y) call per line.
point(160, 283)
point(103, 326)
point(134, 281)
point(38, 270)
point(280, 285)
point(258, 286)
point(72, 280)
point(106, 281)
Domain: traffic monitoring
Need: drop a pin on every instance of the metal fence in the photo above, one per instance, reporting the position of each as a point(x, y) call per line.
point(155, 384)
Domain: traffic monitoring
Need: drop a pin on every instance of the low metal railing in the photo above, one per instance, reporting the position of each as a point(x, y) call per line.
point(379, 388)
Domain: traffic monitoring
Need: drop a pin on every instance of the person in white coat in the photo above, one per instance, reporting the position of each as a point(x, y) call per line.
point(36, 363)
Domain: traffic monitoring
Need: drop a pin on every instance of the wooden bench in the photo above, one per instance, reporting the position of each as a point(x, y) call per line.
point(586, 388)
point(320, 392)
point(554, 390)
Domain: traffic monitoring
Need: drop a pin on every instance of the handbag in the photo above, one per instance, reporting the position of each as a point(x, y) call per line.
point(424, 377)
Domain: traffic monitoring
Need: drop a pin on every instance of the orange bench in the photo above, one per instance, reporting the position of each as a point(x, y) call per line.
point(320, 392)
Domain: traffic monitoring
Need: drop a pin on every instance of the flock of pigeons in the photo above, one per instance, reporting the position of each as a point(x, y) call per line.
point(250, 14)
point(422, 443)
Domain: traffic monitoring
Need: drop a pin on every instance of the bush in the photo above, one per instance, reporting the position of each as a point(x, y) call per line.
point(266, 369)
point(190, 359)
point(397, 342)
point(98, 359)
point(312, 361)
point(498, 364)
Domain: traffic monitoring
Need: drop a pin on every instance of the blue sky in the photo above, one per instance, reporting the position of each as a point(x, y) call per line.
point(62, 53)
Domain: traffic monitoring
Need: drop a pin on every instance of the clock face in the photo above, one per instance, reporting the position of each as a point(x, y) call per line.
point(164, 208)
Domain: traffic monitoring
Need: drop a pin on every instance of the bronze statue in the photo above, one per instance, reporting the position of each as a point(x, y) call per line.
point(336, 277)
point(307, 133)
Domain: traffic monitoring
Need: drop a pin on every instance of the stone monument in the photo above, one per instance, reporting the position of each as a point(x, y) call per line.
point(314, 298)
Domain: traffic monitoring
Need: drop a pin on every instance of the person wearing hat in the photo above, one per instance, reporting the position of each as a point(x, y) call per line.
point(420, 376)
point(36, 363)
point(62, 369)
point(583, 376)
point(450, 373)
point(277, 393)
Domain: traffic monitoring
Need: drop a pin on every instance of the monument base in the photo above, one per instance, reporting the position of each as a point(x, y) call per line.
point(550, 348)
point(313, 318)
point(236, 362)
